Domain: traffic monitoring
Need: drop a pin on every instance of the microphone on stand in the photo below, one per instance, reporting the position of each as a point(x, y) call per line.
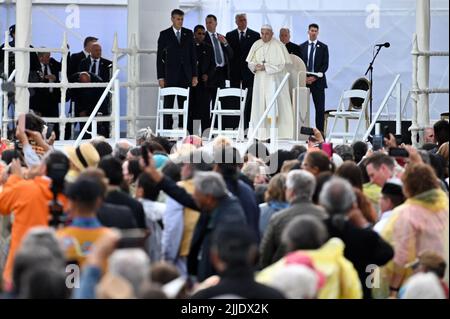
point(386, 45)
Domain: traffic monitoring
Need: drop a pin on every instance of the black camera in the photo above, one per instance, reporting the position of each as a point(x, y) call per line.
point(57, 172)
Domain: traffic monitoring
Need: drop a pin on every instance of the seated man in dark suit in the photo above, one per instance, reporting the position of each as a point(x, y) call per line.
point(73, 62)
point(101, 67)
point(176, 61)
point(45, 102)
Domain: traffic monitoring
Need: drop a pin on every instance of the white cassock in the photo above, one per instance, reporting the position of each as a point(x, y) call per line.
point(274, 56)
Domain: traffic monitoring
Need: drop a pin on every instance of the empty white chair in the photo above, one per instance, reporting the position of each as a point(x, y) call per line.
point(218, 112)
point(344, 113)
point(182, 110)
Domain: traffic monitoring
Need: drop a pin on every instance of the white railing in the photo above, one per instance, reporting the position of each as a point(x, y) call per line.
point(133, 84)
point(96, 108)
point(273, 128)
point(4, 107)
point(418, 127)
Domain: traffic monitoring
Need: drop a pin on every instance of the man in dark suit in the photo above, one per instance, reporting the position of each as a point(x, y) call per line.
point(222, 54)
point(285, 38)
point(100, 67)
point(315, 55)
point(34, 60)
point(73, 63)
point(76, 58)
point(176, 61)
point(45, 102)
point(206, 67)
point(241, 41)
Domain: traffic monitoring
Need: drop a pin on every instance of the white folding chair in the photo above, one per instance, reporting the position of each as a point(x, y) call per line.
point(218, 113)
point(345, 114)
point(182, 110)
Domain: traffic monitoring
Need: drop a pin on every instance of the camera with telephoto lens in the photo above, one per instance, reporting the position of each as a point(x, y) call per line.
point(57, 173)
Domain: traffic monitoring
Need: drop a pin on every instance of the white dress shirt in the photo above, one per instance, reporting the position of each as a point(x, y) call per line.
point(309, 52)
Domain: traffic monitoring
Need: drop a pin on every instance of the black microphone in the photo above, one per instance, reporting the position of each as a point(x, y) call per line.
point(386, 45)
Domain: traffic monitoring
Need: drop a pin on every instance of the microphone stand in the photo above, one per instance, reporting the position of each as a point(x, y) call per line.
point(370, 70)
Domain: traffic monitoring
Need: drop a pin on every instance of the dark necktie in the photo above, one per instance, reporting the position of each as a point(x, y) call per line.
point(94, 67)
point(242, 38)
point(311, 58)
point(219, 59)
point(45, 70)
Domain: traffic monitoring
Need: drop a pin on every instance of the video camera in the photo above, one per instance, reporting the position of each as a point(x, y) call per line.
point(57, 173)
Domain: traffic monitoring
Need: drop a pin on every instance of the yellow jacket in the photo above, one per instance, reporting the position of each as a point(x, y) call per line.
point(342, 281)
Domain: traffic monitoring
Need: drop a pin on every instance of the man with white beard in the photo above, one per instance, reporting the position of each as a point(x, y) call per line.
point(268, 58)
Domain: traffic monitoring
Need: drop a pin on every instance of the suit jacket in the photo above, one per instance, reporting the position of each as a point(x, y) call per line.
point(205, 61)
point(176, 62)
point(104, 70)
point(227, 53)
point(293, 49)
point(239, 70)
point(272, 248)
point(34, 60)
point(117, 216)
point(74, 62)
point(45, 101)
point(320, 63)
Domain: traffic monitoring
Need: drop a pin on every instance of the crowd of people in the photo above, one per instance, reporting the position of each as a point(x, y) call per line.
point(160, 219)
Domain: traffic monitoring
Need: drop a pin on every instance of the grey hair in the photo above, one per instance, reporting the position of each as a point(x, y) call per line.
point(210, 183)
point(302, 183)
point(304, 233)
point(240, 15)
point(121, 152)
point(337, 196)
point(253, 169)
point(296, 282)
point(43, 237)
point(145, 134)
point(132, 265)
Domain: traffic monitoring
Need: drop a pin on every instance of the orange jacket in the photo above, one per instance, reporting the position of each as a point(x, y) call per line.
point(28, 201)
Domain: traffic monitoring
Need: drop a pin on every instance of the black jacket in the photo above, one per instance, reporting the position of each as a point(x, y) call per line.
point(74, 62)
point(205, 61)
point(176, 62)
point(45, 101)
point(293, 49)
point(120, 198)
point(239, 70)
point(321, 61)
point(363, 247)
point(104, 69)
point(241, 283)
point(227, 53)
point(117, 216)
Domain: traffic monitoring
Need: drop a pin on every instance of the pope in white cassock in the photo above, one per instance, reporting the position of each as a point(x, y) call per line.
point(267, 59)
